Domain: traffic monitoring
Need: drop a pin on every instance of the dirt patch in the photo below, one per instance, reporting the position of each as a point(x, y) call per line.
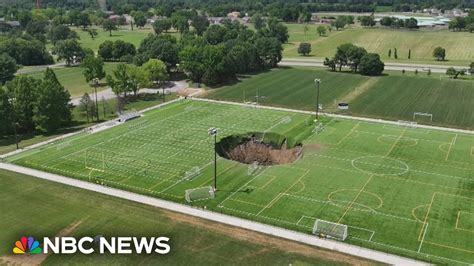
point(253, 148)
point(355, 93)
point(37, 259)
point(187, 92)
point(265, 240)
point(314, 147)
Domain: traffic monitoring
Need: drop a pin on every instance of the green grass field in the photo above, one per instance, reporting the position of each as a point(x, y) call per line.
point(124, 33)
point(458, 45)
point(394, 96)
point(408, 191)
point(290, 87)
point(73, 80)
point(7, 144)
point(50, 208)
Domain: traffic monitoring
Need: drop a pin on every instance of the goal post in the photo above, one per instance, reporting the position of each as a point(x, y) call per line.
point(201, 193)
point(330, 230)
point(425, 115)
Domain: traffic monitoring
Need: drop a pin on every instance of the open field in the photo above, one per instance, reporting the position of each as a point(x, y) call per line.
point(51, 208)
point(393, 96)
point(402, 190)
point(290, 87)
point(124, 33)
point(142, 102)
point(73, 80)
point(459, 45)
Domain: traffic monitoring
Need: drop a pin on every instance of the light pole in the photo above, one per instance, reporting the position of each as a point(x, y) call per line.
point(96, 84)
point(318, 82)
point(11, 101)
point(213, 132)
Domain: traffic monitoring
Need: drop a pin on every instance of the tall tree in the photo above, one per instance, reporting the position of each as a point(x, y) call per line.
point(139, 18)
point(109, 25)
point(200, 24)
point(304, 48)
point(93, 68)
point(6, 112)
point(258, 21)
point(157, 72)
point(93, 33)
point(8, 68)
point(371, 65)
point(439, 53)
point(25, 91)
point(61, 32)
point(161, 25)
point(69, 50)
point(52, 108)
point(86, 105)
point(321, 30)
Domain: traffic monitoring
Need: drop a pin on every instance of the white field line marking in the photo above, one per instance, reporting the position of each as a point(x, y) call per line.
point(240, 188)
point(424, 233)
point(377, 243)
point(396, 136)
point(362, 119)
point(371, 236)
point(118, 136)
point(451, 146)
point(411, 170)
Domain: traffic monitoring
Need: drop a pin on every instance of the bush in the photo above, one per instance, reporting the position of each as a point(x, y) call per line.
point(371, 65)
point(304, 49)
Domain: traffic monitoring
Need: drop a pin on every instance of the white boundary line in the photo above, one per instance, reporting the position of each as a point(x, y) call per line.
point(465, 131)
point(95, 127)
point(423, 238)
point(221, 218)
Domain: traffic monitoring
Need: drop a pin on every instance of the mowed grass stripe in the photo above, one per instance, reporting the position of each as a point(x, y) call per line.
point(450, 101)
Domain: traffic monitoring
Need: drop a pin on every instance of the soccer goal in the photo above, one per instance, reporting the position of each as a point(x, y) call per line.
point(318, 128)
point(201, 193)
point(328, 229)
point(420, 115)
point(253, 169)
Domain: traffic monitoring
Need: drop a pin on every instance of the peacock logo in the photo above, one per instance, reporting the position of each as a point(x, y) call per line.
point(27, 245)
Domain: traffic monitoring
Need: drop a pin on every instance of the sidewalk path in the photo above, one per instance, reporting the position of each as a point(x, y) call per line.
point(222, 218)
point(108, 94)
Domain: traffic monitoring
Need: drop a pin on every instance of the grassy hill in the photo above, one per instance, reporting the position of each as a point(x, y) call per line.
point(459, 45)
point(393, 96)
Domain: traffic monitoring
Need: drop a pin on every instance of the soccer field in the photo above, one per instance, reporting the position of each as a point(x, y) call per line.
point(403, 190)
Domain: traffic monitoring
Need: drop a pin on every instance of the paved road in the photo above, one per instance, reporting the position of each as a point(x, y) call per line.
point(108, 94)
point(221, 218)
point(388, 66)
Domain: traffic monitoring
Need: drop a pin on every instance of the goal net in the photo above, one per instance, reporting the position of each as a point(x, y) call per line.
point(330, 230)
point(192, 173)
point(318, 128)
point(201, 193)
point(418, 116)
point(253, 169)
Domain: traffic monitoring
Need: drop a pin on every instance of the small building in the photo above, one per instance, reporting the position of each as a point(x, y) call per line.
point(216, 20)
point(14, 23)
point(233, 15)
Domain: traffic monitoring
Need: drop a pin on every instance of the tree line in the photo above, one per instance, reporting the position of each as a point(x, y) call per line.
point(357, 59)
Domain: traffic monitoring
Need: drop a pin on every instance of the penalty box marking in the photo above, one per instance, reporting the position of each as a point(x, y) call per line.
point(425, 224)
point(459, 217)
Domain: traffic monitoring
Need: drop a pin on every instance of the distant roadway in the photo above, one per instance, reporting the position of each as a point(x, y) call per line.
point(388, 66)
